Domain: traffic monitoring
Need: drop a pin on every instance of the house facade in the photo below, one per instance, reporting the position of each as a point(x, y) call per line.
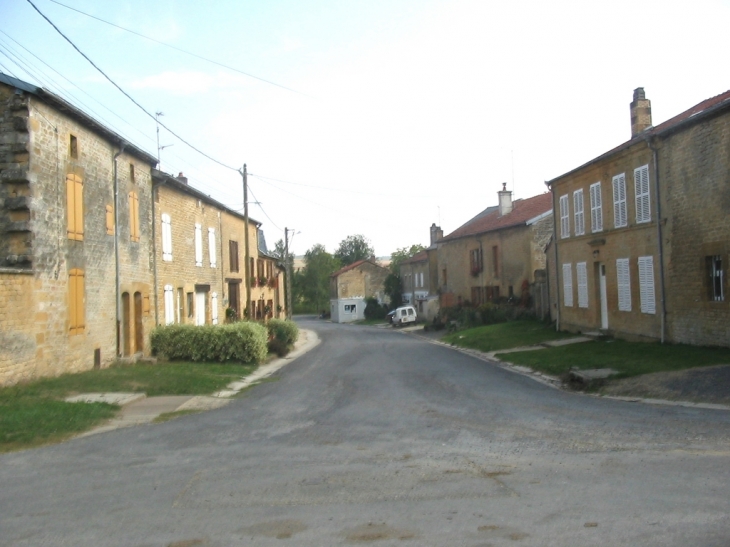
point(419, 278)
point(641, 235)
point(351, 285)
point(497, 254)
point(76, 252)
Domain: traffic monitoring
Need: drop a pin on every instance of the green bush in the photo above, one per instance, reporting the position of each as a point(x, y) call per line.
point(373, 310)
point(283, 330)
point(243, 342)
point(486, 314)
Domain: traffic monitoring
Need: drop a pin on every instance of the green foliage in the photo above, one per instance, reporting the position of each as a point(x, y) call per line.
point(311, 285)
point(284, 330)
point(354, 248)
point(394, 289)
point(505, 335)
point(243, 342)
point(373, 310)
point(465, 316)
point(402, 254)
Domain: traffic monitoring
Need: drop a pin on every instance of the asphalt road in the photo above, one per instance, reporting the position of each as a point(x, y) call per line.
point(377, 437)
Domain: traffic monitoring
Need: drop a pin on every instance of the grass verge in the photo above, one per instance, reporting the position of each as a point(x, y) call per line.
point(35, 413)
point(505, 335)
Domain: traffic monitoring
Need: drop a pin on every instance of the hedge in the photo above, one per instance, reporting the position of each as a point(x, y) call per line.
point(282, 335)
point(243, 342)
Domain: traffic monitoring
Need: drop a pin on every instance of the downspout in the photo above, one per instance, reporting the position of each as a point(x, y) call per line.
point(662, 296)
point(117, 276)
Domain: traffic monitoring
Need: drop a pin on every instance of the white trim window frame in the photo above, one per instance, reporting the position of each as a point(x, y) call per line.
point(716, 278)
point(214, 308)
point(564, 217)
point(620, 215)
point(581, 274)
point(646, 284)
point(198, 245)
point(596, 208)
point(643, 198)
point(166, 237)
point(169, 305)
point(568, 285)
point(623, 280)
point(212, 254)
point(578, 212)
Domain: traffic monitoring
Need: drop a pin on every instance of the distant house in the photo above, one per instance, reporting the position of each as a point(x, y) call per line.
point(351, 285)
point(643, 231)
point(497, 254)
point(419, 278)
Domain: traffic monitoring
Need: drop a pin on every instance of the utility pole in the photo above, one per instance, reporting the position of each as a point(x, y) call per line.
point(288, 273)
point(246, 261)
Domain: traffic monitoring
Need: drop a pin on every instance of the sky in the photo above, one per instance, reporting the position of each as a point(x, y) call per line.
point(371, 117)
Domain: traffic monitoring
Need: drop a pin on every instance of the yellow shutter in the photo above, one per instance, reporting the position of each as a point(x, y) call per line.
point(70, 209)
point(146, 304)
point(75, 207)
point(76, 311)
point(109, 220)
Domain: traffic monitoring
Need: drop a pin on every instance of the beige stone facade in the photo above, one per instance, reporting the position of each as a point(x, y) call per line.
point(76, 247)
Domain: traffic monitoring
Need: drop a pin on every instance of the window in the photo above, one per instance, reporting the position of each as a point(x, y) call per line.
point(581, 274)
point(75, 207)
point(596, 210)
point(214, 308)
point(646, 284)
point(198, 245)
point(166, 237)
point(73, 147)
point(233, 255)
point(169, 306)
point(476, 296)
point(180, 305)
point(76, 311)
point(578, 212)
point(714, 268)
point(110, 220)
point(421, 275)
point(567, 285)
point(641, 185)
point(495, 260)
point(620, 218)
point(133, 216)
point(564, 217)
point(212, 254)
point(191, 308)
point(444, 276)
point(350, 308)
point(624, 284)
point(475, 261)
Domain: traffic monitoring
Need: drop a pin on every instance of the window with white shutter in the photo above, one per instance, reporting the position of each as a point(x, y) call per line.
point(620, 218)
point(198, 245)
point(211, 247)
point(166, 237)
point(623, 279)
point(646, 284)
point(578, 212)
point(643, 202)
point(581, 273)
point(567, 285)
point(214, 307)
point(596, 209)
point(169, 306)
point(717, 283)
point(564, 217)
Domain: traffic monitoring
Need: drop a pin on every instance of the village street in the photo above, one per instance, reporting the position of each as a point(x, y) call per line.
point(378, 437)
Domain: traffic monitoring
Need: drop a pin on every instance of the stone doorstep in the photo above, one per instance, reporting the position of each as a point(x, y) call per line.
point(121, 399)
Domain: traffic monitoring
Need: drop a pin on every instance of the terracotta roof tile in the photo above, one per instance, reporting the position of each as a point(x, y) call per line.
point(354, 265)
point(418, 257)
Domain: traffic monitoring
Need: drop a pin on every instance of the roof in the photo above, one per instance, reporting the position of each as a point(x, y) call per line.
point(696, 114)
point(80, 116)
point(355, 265)
point(418, 257)
point(489, 220)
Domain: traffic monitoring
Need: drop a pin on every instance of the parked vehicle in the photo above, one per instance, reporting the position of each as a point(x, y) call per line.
point(404, 315)
point(389, 316)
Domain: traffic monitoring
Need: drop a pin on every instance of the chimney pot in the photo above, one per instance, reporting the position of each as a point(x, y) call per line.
point(640, 112)
point(505, 200)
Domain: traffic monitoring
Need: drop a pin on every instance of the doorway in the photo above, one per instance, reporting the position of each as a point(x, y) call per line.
point(138, 329)
point(201, 302)
point(126, 325)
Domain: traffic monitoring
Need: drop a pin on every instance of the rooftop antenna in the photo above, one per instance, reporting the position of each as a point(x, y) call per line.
point(159, 148)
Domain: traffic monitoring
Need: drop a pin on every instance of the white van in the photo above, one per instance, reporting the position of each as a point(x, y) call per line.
point(403, 315)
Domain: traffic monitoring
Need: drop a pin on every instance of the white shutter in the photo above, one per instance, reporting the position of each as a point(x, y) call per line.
point(643, 202)
point(620, 218)
point(567, 285)
point(578, 211)
point(214, 307)
point(166, 237)
point(169, 306)
point(646, 284)
point(211, 247)
point(581, 274)
point(198, 245)
point(624, 284)
point(564, 217)
point(596, 210)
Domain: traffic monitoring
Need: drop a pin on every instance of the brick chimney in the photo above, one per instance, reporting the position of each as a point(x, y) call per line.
point(182, 178)
point(436, 233)
point(505, 200)
point(640, 112)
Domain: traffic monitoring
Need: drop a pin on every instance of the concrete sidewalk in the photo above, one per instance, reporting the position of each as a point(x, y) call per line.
point(139, 409)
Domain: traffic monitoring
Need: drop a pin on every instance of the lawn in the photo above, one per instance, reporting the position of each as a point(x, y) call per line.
point(35, 413)
point(505, 335)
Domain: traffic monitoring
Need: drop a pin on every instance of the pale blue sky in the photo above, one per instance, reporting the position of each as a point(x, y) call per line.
point(406, 112)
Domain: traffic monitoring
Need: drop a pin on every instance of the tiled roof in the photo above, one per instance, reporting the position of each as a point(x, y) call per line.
point(418, 257)
point(694, 114)
point(490, 220)
point(354, 265)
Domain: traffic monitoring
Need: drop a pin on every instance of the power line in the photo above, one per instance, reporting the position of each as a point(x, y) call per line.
point(125, 93)
point(180, 49)
point(262, 209)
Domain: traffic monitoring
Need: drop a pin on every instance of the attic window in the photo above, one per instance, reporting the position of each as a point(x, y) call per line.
point(131, 173)
point(73, 147)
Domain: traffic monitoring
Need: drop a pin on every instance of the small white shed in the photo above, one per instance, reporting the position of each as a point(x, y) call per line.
point(346, 310)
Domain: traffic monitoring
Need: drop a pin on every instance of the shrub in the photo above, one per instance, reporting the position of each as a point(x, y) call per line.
point(486, 314)
point(282, 335)
point(373, 310)
point(243, 342)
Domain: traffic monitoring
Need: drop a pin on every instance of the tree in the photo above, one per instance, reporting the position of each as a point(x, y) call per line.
point(393, 289)
point(354, 248)
point(312, 284)
point(279, 251)
point(402, 254)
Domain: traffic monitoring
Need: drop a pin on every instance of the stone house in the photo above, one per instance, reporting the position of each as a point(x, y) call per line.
point(419, 278)
point(646, 256)
point(268, 299)
point(497, 254)
point(351, 285)
point(200, 262)
point(76, 250)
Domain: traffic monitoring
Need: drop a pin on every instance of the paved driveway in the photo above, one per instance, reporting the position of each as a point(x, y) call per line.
point(379, 437)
